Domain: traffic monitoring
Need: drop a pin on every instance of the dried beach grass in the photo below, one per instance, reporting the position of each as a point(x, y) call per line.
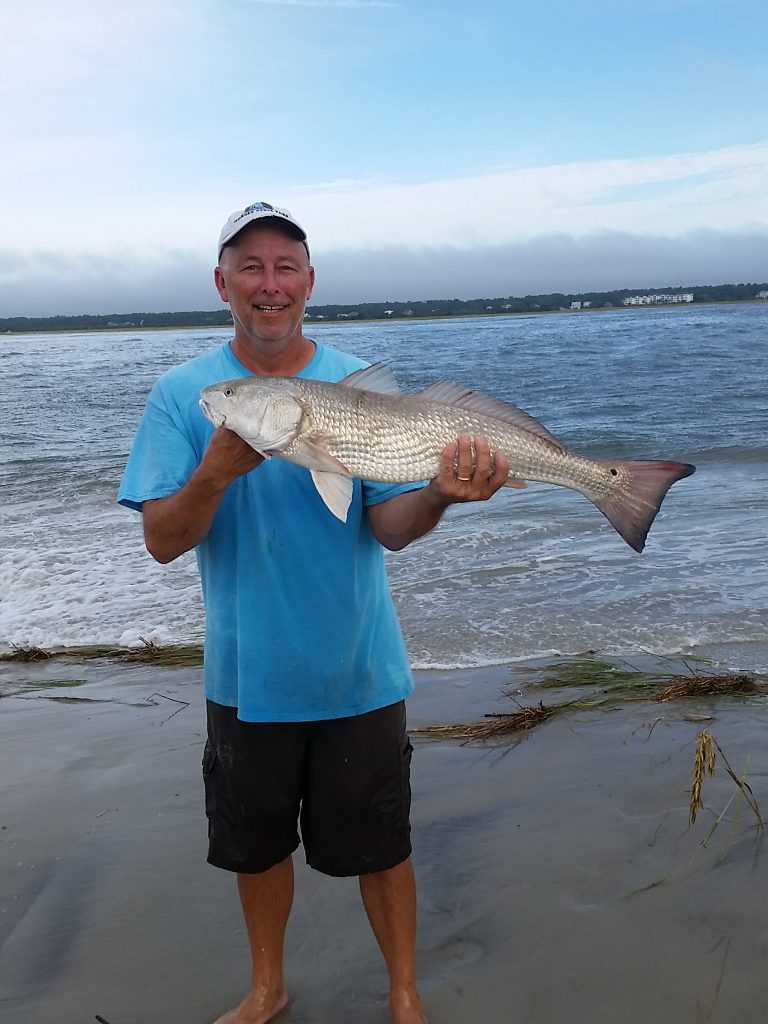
point(703, 764)
point(703, 685)
point(494, 725)
point(162, 654)
point(705, 757)
point(25, 654)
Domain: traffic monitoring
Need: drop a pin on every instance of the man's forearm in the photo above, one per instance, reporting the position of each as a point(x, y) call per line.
point(406, 517)
point(179, 522)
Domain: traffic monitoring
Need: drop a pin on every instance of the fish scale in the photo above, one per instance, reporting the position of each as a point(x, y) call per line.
point(399, 439)
point(364, 427)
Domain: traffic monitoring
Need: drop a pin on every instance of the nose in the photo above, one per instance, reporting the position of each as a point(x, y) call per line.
point(269, 281)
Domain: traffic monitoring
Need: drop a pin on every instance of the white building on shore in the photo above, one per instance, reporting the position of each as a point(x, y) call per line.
point(658, 300)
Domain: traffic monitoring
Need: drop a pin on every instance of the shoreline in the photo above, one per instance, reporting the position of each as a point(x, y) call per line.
point(69, 667)
point(558, 876)
point(524, 314)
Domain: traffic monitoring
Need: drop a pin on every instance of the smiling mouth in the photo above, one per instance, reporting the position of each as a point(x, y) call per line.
point(270, 309)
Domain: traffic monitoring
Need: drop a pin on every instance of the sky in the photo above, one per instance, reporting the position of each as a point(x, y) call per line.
point(431, 149)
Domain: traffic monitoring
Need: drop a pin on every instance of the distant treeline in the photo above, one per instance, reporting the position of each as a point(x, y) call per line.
point(391, 310)
point(90, 322)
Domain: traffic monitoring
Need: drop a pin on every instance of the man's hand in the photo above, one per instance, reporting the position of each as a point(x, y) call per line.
point(228, 456)
point(469, 472)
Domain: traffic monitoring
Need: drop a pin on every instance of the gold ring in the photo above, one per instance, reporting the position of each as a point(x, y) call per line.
point(463, 479)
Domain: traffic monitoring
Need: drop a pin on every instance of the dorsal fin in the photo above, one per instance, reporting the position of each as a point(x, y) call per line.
point(445, 391)
point(448, 393)
point(377, 377)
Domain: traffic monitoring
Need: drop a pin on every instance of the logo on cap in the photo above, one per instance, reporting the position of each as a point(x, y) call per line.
point(258, 208)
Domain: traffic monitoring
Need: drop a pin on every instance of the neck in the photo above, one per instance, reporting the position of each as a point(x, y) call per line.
point(284, 363)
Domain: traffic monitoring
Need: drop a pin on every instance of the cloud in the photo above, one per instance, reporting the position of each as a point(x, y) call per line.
point(51, 283)
point(552, 263)
point(680, 219)
point(725, 189)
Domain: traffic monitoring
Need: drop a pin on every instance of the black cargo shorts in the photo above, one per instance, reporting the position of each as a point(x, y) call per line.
point(344, 782)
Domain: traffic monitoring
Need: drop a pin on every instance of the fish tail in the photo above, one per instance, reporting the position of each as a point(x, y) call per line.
point(632, 507)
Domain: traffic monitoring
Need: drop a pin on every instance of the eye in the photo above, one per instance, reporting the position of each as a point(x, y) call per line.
point(228, 392)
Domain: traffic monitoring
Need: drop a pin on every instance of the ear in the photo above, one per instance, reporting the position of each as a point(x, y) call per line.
point(311, 284)
point(221, 287)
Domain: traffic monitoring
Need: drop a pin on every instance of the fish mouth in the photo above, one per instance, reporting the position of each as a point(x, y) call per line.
point(218, 419)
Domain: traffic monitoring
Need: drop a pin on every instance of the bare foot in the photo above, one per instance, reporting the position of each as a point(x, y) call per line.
point(258, 1008)
point(406, 1008)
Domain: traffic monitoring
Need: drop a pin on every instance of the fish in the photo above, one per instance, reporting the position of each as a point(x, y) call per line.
point(364, 426)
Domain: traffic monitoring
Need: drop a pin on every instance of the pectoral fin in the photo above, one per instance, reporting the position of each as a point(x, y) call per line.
point(314, 455)
point(258, 448)
point(330, 476)
point(515, 481)
point(335, 490)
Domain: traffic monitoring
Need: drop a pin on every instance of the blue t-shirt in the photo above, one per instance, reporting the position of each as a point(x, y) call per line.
point(300, 623)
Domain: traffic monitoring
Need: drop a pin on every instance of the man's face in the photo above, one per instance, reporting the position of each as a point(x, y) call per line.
point(265, 276)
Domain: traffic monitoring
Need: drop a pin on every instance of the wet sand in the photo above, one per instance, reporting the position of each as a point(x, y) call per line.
point(558, 878)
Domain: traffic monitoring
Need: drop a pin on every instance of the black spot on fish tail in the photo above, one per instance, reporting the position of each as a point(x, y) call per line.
point(633, 509)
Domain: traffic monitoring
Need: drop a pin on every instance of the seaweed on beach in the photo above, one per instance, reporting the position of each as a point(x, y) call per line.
point(495, 724)
point(704, 685)
point(612, 683)
point(77, 700)
point(616, 682)
point(50, 684)
point(25, 654)
point(21, 688)
point(599, 673)
point(171, 655)
point(34, 654)
point(163, 654)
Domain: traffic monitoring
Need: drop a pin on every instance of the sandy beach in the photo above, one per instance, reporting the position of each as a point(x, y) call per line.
point(559, 880)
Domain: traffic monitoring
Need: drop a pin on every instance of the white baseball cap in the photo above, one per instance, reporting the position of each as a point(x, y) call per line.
point(260, 211)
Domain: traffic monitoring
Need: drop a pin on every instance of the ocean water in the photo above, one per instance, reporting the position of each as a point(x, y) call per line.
point(529, 574)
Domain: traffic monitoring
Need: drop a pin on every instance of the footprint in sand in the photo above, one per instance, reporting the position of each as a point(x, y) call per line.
point(450, 956)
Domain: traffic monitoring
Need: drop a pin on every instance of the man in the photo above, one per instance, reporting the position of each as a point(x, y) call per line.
point(305, 665)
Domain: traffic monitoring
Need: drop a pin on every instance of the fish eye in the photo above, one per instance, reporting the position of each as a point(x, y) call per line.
point(228, 392)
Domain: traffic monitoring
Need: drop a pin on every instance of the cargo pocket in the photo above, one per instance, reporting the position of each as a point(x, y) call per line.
point(405, 786)
point(210, 759)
